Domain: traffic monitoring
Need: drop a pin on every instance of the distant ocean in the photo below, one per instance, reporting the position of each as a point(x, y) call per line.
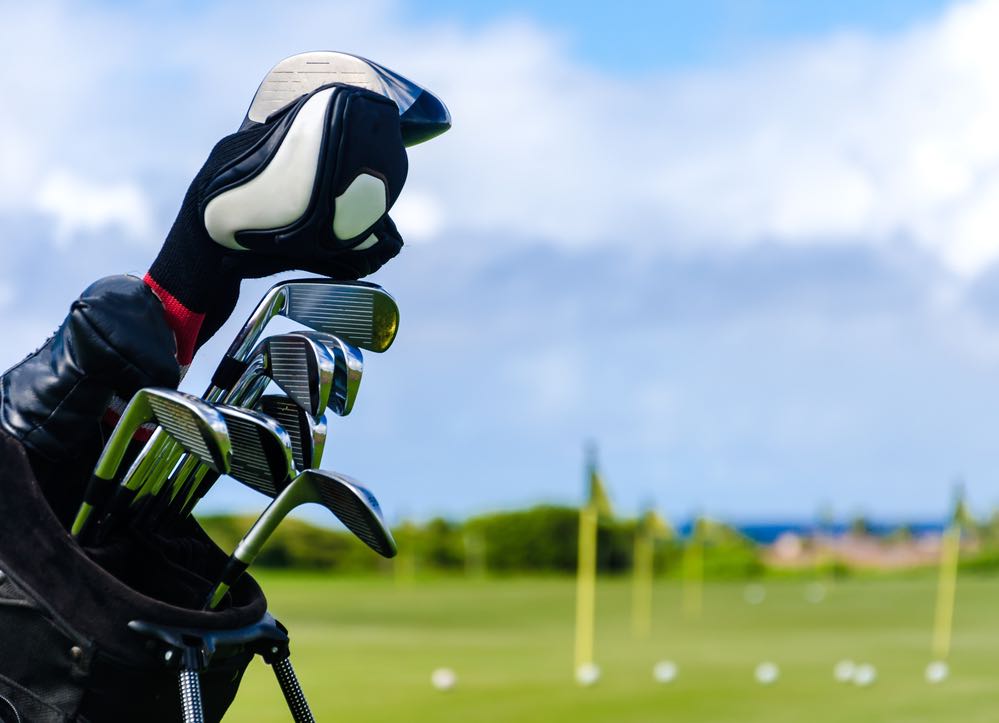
point(765, 533)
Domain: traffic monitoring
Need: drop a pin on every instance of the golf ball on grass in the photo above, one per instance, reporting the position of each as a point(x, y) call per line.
point(443, 679)
point(843, 671)
point(754, 594)
point(664, 671)
point(864, 675)
point(767, 673)
point(937, 672)
point(587, 674)
point(815, 593)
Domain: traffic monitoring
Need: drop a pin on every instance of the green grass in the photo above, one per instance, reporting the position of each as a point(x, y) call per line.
point(365, 648)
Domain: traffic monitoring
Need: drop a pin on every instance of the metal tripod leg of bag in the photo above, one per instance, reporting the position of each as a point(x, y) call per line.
point(190, 651)
point(293, 695)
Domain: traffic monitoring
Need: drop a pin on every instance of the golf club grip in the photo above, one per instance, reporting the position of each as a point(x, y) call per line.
point(233, 570)
point(227, 373)
point(292, 691)
point(94, 497)
point(120, 502)
point(190, 697)
point(206, 484)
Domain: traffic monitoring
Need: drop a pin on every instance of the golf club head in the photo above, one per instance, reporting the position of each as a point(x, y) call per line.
point(303, 368)
point(354, 505)
point(261, 450)
point(349, 370)
point(192, 423)
point(363, 313)
point(306, 434)
point(422, 115)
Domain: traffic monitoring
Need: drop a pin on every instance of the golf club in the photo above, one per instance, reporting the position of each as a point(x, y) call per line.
point(361, 312)
point(303, 368)
point(308, 435)
point(349, 369)
point(191, 423)
point(352, 504)
point(422, 115)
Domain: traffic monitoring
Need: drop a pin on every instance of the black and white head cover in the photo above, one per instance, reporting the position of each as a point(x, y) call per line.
point(324, 171)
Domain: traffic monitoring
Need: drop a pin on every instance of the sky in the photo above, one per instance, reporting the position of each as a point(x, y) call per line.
point(748, 248)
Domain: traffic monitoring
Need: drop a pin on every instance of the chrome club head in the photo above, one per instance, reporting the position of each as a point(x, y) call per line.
point(261, 450)
point(308, 435)
point(363, 313)
point(348, 371)
point(303, 368)
point(353, 504)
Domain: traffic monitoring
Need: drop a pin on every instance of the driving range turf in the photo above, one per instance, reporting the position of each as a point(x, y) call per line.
point(365, 650)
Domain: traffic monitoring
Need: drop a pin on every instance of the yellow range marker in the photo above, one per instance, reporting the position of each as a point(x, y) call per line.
point(693, 574)
point(950, 548)
point(641, 593)
point(586, 582)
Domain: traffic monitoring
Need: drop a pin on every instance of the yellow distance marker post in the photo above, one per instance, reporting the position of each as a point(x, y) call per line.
point(950, 548)
point(693, 573)
point(950, 554)
point(641, 589)
point(650, 528)
point(586, 583)
point(597, 505)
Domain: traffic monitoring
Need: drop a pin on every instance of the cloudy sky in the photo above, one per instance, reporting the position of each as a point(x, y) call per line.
point(750, 248)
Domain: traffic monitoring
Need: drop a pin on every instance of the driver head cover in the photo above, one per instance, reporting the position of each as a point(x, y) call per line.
point(313, 180)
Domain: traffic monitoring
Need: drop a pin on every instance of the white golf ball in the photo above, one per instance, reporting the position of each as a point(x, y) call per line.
point(664, 671)
point(815, 593)
point(754, 594)
point(865, 674)
point(937, 672)
point(767, 673)
point(843, 671)
point(443, 679)
point(588, 674)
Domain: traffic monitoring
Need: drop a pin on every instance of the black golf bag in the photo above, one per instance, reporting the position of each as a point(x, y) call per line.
point(114, 633)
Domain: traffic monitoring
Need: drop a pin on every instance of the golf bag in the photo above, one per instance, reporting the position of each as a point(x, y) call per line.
point(102, 634)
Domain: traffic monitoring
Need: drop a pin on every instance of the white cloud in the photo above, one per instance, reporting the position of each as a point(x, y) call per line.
point(852, 139)
point(82, 206)
point(419, 215)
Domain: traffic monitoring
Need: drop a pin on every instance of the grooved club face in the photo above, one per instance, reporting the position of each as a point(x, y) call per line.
point(261, 450)
point(352, 504)
point(363, 313)
point(307, 435)
point(356, 507)
point(192, 423)
point(302, 368)
point(348, 370)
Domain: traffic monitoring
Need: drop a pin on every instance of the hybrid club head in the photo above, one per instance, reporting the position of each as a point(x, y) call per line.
point(261, 450)
point(353, 504)
point(191, 423)
point(308, 435)
point(348, 370)
point(422, 115)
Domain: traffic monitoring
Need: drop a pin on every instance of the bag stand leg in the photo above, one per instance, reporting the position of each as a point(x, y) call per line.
point(190, 651)
point(293, 695)
point(190, 696)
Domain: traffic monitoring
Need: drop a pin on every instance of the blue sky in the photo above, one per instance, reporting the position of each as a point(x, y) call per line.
point(750, 248)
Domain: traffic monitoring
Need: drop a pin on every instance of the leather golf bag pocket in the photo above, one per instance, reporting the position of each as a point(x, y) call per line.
point(67, 652)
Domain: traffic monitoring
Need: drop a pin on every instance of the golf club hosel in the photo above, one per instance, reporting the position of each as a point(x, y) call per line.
point(300, 491)
point(274, 301)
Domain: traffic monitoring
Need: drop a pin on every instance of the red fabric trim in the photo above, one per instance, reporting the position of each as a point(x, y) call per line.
point(185, 323)
point(111, 419)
